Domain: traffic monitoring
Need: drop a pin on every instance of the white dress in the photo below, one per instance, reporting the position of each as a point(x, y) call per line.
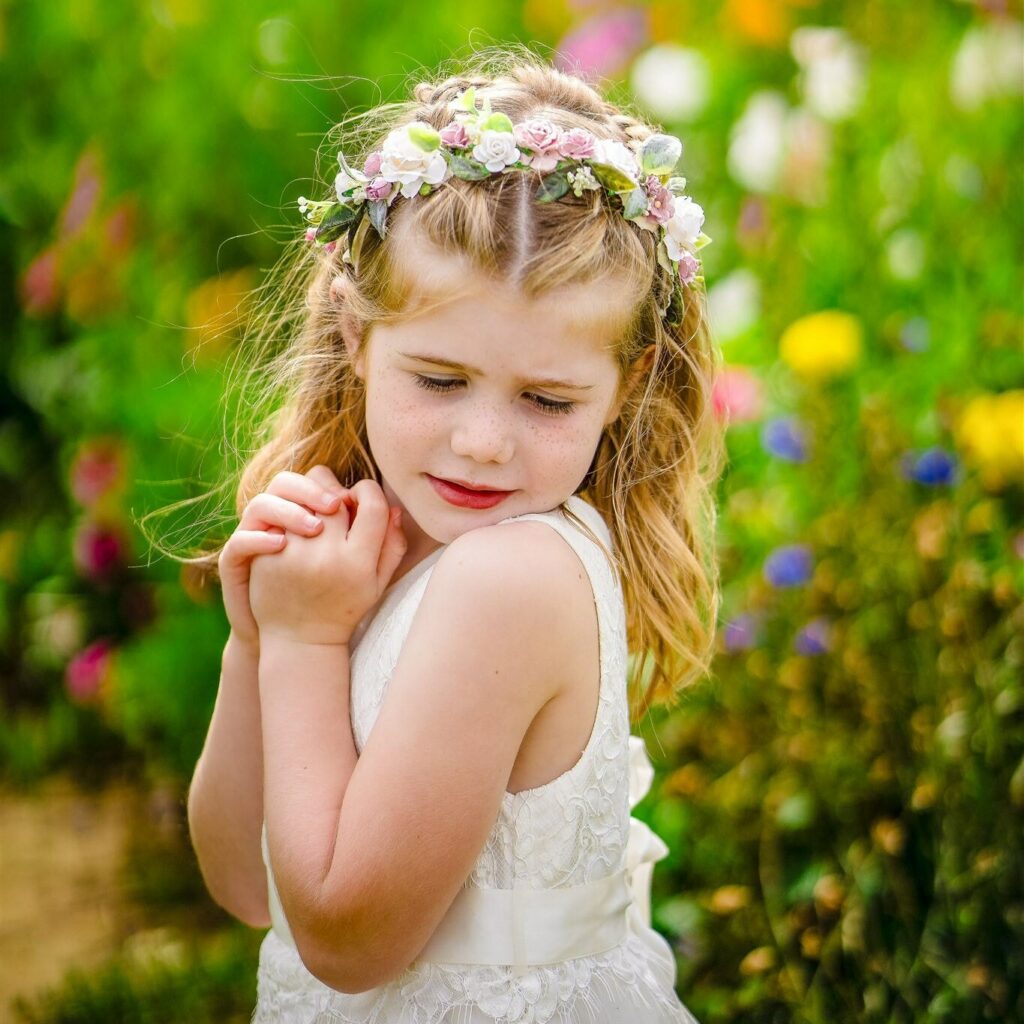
point(571, 843)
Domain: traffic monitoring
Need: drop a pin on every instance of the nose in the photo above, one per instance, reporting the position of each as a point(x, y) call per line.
point(483, 435)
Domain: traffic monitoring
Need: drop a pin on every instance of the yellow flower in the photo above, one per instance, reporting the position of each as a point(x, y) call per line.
point(822, 344)
point(990, 433)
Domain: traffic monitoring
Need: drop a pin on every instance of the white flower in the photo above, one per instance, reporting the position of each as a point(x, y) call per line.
point(833, 77)
point(343, 181)
point(615, 154)
point(757, 146)
point(404, 162)
point(682, 229)
point(496, 150)
point(672, 82)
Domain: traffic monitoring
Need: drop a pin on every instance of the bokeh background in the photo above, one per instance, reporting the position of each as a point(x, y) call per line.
point(843, 798)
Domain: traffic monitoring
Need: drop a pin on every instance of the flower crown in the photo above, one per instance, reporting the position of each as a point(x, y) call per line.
point(415, 158)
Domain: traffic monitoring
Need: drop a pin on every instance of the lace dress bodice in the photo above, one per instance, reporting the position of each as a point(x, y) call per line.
point(572, 832)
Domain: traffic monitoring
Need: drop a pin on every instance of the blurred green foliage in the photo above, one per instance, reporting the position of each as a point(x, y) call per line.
point(843, 799)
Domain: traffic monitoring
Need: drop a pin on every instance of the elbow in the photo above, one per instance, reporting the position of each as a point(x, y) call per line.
point(346, 957)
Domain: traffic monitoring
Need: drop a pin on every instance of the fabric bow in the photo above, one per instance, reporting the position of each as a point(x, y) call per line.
point(644, 847)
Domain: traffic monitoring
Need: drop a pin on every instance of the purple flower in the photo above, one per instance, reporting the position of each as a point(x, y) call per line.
point(455, 136)
point(934, 466)
point(788, 566)
point(372, 166)
point(785, 438)
point(815, 637)
point(741, 632)
point(914, 334)
point(577, 144)
point(541, 137)
point(378, 189)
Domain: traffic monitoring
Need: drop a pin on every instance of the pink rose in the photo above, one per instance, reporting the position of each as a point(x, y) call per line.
point(541, 137)
point(455, 136)
point(372, 165)
point(87, 670)
point(378, 189)
point(688, 267)
point(576, 144)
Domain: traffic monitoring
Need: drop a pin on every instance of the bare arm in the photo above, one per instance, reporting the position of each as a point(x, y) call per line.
point(225, 800)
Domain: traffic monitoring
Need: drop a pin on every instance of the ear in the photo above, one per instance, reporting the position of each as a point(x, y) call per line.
point(351, 333)
point(641, 367)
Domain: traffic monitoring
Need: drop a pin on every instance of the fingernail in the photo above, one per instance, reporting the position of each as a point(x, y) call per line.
point(328, 499)
point(312, 522)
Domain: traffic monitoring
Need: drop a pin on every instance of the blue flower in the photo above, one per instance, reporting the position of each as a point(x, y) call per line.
point(934, 466)
point(785, 438)
point(815, 637)
point(788, 566)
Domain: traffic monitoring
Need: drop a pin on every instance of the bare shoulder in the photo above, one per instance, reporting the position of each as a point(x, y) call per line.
point(520, 581)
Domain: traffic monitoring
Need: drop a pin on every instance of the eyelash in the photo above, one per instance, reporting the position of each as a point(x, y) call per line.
point(546, 405)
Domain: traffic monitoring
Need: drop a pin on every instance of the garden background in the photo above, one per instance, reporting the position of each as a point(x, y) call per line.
point(843, 798)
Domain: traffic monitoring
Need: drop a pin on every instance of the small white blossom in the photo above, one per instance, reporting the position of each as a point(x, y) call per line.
point(343, 181)
point(582, 179)
point(496, 150)
point(404, 162)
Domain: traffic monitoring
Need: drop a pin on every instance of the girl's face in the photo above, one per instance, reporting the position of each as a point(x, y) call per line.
point(491, 390)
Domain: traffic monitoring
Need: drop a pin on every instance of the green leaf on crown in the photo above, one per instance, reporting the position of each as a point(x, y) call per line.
point(552, 186)
point(612, 178)
point(335, 221)
point(497, 123)
point(468, 170)
point(378, 213)
point(635, 204)
point(674, 313)
point(424, 137)
point(677, 186)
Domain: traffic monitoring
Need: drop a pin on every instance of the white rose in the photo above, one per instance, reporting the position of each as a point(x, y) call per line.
point(404, 162)
point(683, 227)
point(496, 150)
point(617, 155)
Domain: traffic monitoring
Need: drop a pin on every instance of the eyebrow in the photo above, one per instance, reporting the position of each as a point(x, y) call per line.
point(543, 382)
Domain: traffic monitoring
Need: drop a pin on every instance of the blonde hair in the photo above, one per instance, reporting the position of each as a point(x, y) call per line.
point(655, 468)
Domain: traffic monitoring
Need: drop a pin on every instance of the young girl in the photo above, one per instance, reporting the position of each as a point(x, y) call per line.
point(492, 468)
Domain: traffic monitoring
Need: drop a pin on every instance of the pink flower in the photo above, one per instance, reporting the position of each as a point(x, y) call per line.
point(378, 189)
point(372, 165)
point(40, 288)
point(96, 470)
point(603, 44)
point(310, 234)
point(737, 395)
point(688, 267)
point(576, 144)
point(541, 137)
point(661, 204)
point(87, 671)
point(98, 551)
point(330, 247)
point(455, 136)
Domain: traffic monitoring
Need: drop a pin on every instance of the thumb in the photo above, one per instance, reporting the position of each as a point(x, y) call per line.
point(394, 547)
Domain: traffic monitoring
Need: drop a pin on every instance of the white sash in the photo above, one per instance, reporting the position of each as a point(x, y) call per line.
point(523, 927)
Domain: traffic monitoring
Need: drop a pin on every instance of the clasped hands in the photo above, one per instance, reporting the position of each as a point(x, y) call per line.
point(312, 578)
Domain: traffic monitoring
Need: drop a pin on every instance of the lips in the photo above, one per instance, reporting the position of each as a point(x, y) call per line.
point(466, 497)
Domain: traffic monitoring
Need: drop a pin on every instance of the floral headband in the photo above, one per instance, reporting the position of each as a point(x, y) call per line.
point(415, 158)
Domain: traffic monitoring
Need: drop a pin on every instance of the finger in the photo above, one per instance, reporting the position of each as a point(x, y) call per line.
point(371, 516)
point(324, 477)
point(315, 493)
point(245, 544)
point(266, 510)
point(395, 546)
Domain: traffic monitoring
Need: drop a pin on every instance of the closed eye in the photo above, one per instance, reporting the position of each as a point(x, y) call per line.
point(546, 405)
